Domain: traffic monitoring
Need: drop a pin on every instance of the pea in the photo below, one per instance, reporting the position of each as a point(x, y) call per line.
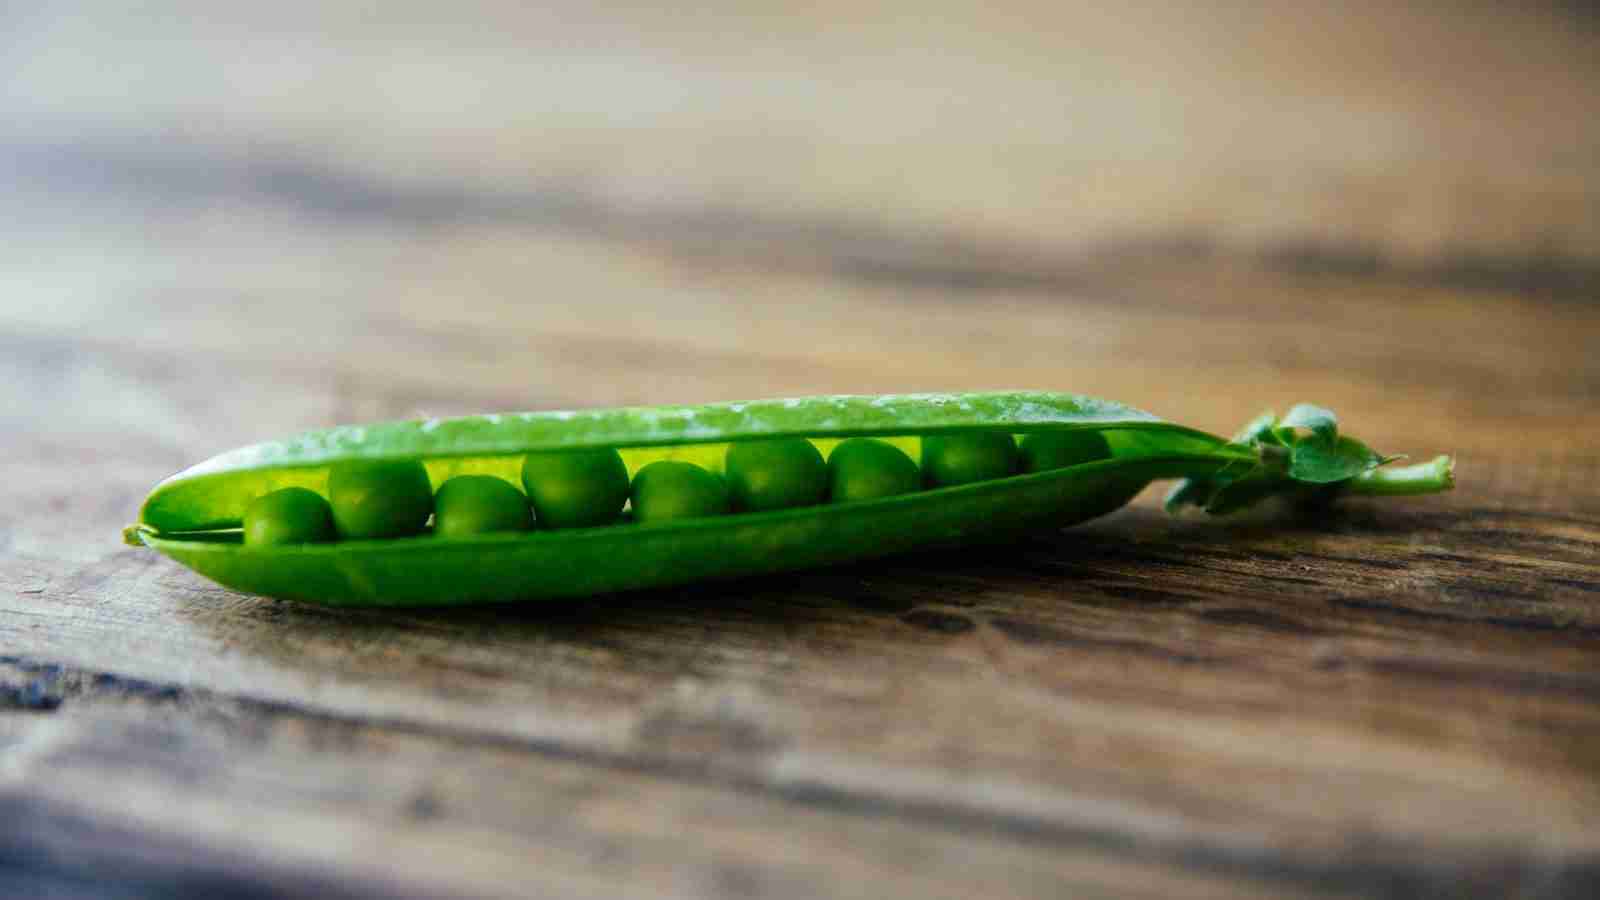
point(1046, 450)
point(289, 516)
point(951, 459)
point(575, 488)
point(479, 504)
point(866, 469)
point(775, 474)
point(380, 498)
point(669, 489)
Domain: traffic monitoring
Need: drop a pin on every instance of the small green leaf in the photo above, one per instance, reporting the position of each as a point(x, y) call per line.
point(1323, 462)
point(1237, 495)
point(1260, 428)
point(1203, 491)
point(1321, 422)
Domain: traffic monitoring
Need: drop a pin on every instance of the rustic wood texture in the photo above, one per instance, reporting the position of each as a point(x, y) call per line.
point(237, 225)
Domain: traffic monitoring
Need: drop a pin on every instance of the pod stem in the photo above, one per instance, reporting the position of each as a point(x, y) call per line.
point(1303, 456)
point(1431, 477)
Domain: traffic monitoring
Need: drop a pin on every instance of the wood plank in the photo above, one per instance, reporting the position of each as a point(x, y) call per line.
point(198, 770)
point(218, 788)
point(1425, 672)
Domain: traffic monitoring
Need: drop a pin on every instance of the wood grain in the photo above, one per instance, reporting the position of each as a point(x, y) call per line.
point(1398, 698)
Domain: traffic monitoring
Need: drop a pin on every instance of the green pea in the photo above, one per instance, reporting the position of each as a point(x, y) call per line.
point(951, 459)
point(289, 516)
point(479, 504)
point(775, 474)
point(669, 489)
point(866, 469)
point(380, 498)
point(1046, 450)
point(575, 488)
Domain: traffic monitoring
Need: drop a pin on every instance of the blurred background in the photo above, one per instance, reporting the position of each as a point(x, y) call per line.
point(355, 211)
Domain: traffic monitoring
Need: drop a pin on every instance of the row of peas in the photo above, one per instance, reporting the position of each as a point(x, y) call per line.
point(586, 488)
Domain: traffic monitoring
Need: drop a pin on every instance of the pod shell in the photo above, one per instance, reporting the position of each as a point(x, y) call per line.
point(584, 561)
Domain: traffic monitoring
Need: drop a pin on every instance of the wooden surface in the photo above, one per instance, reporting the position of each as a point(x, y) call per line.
point(225, 227)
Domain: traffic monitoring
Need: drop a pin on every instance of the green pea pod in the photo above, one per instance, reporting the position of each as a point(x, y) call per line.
point(194, 516)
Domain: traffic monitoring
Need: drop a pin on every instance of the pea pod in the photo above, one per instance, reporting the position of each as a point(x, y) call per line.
point(194, 516)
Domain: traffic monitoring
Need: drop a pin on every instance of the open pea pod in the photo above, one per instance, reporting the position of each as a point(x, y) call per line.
point(195, 516)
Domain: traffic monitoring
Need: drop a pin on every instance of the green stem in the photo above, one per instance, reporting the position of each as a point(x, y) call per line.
point(1438, 474)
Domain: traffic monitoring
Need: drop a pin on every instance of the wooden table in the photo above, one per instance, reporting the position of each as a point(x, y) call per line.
point(233, 225)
